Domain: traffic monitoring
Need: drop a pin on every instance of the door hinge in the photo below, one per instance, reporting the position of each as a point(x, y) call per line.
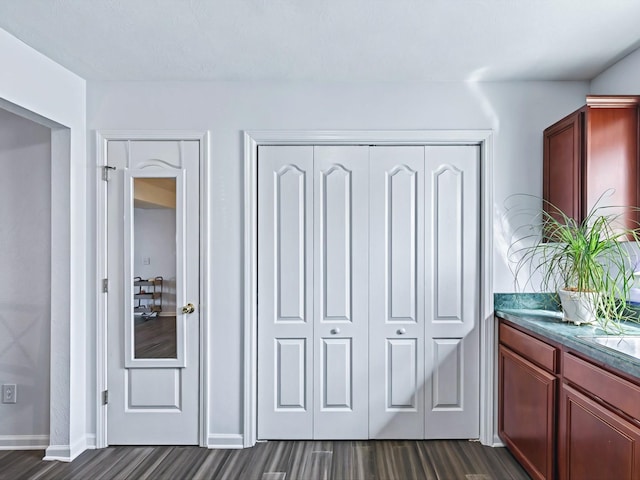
point(105, 397)
point(105, 172)
point(105, 285)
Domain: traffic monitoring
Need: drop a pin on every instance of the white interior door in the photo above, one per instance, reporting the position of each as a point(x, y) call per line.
point(396, 292)
point(153, 342)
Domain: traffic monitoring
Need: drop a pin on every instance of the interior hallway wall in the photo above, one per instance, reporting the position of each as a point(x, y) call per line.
point(25, 278)
point(516, 112)
point(40, 89)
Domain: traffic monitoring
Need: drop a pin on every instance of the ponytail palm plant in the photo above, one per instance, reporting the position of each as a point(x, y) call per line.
point(590, 263)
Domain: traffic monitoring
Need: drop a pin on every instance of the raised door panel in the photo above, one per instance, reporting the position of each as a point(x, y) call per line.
point(396, 292)
point(285, 286)
point(562, 166)
point(526, 412)
point(341, 272)
point(594, 442)
point(452, 288)
point(611, 173)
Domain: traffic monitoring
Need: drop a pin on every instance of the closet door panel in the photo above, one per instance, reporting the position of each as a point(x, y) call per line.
point(285, 280)
point(341, 309)
point(396, 293)
point(452, 286)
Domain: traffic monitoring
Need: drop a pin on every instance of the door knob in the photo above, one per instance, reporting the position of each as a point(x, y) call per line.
point(401, 331)
point(335, 331)
point(188, 308)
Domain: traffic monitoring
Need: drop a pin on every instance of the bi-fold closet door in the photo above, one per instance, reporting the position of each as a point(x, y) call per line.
point(364, 255)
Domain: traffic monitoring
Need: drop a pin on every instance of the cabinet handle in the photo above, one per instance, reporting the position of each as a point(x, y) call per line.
point(401, 331)
point(335, 331)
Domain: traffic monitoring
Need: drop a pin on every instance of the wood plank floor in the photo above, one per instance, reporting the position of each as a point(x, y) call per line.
point(277, 460)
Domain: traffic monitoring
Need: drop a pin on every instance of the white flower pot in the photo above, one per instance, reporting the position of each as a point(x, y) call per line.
point(578, 307)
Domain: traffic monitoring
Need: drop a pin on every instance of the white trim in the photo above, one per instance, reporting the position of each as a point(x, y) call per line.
point(102, 137)
point(488, 374)
point(24, 442)
point(66, 453)
point(483, 138)
point(225, 440)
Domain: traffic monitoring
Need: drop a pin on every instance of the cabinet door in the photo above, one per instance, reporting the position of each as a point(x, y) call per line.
point(594, 442)
point(611, 161)
point(562, 168)
point(526, 420)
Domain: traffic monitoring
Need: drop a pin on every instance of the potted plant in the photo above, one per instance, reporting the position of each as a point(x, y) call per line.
point(590, 264)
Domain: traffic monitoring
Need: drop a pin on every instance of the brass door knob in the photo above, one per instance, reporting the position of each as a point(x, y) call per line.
point(188, 308)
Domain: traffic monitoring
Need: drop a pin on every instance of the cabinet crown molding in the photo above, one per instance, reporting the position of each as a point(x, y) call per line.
point(608, 101)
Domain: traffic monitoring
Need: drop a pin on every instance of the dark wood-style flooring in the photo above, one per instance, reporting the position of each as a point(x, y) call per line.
point(278, 460)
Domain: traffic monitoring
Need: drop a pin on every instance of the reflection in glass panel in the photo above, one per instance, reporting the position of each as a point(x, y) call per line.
point(154, 267)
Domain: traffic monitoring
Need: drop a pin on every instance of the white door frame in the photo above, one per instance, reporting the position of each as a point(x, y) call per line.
point(102, 137)
point(482, 138)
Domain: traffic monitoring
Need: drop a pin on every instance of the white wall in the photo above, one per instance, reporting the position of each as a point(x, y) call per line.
point(38, 88)
point(155, 239)
point(517, 112)
point(25, 277)
point(622, 78)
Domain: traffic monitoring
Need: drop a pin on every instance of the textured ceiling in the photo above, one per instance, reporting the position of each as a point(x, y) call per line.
point(328, 40)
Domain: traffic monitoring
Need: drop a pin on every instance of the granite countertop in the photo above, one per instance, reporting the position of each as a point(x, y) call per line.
point(541, 315)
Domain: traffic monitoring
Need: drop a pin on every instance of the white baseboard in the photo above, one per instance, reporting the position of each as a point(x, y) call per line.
point(225, 440)
point(497, 442)
point(24, 442)
point(91, 441)
point(67, 453)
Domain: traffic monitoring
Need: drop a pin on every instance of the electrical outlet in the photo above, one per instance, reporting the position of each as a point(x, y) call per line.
point(146, 260)
point(9, 393)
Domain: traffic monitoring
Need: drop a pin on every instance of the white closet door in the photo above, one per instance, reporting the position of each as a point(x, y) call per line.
point(285, 286)
point(452, 246)
point(341, 273)
point(396, 293)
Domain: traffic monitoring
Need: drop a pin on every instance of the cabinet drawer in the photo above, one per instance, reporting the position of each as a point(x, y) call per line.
point(614, 390)
point(529, 347)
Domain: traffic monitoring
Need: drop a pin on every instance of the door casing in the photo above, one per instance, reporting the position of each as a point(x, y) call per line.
point(102, 139)
point(482, 138)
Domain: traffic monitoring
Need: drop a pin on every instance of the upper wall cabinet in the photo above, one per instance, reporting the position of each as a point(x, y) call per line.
point(590, 151)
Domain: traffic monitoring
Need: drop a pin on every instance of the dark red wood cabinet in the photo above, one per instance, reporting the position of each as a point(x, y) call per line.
point(563, 415)
point(590, 151)
point(527, 400)
point(599, 431)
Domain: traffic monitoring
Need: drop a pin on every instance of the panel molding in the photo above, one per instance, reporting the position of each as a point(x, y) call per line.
point(438, 361)
point(327, 313)
point(482, 138)
point(285, 313)
point(392, 212)
point(436, 204)
point(395, 348)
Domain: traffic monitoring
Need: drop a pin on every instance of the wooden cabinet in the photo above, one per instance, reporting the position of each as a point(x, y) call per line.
point(590, 151)
point(599, 434)
point(563, 415)
point(527, 400)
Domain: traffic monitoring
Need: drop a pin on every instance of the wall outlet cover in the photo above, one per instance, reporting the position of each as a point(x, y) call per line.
point(9, 393)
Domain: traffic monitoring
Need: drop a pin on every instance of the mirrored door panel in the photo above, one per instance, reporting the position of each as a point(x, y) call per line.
point(154, 325)
point(154, 267)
